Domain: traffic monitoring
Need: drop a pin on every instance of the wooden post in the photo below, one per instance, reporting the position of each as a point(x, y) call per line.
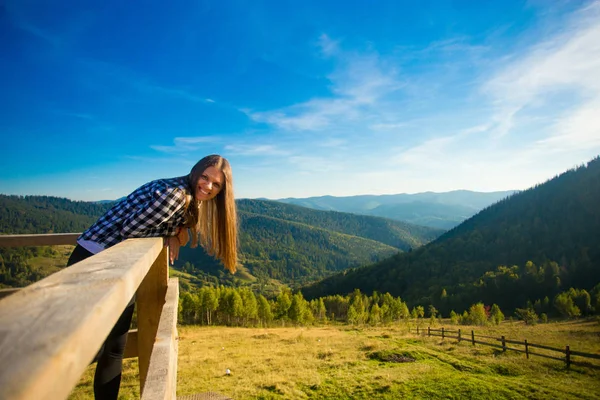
point(150, 300)
point(473, 337)
point(503, 344)
point(458, 335)
point(568, 356)
point(161, 380)
point(428, 331)
point(417, 329)
point(442, 333)
point(526, 349)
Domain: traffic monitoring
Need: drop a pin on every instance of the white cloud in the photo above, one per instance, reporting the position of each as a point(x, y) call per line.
point(567, 64)
point(359, 83)
point(544, 119)
point(255, 150)
point(187, 144)
point(328, 46)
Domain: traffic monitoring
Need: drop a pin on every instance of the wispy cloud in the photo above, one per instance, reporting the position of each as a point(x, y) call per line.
point(357, 84)
point(17, 15)
point(256, 150)
point(312, 164)
point(187, 144)
point(177, 93)
point(127, 78)
point(544, 103)
point(567, 64)
point(74, 114)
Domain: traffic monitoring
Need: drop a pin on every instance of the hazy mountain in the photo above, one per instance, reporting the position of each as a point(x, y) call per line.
point(526, 247)
point(439, 210)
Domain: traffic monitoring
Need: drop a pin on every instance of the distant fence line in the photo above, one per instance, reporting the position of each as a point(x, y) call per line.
point(448, 334)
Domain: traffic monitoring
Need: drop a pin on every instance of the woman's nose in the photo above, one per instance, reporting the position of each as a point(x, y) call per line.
point(209, 185)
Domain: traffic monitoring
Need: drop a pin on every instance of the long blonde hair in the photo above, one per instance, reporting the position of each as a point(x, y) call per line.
point(214, 222)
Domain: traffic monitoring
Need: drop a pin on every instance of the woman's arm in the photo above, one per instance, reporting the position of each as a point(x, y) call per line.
point(173, 243)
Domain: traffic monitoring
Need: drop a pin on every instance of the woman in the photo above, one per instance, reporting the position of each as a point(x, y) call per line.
point(201, 201)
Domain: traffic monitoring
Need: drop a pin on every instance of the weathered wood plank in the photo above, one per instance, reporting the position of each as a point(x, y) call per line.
point(161, 381)
point(52, 329)
point(7, 292)
point(131, 347)
point(151, 297)
point(50, 239)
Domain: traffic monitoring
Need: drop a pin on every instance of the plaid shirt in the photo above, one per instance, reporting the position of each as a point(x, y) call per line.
point(153, 210)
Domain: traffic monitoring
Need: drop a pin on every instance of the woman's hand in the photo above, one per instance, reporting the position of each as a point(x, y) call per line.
point(173, 243)
point(183, 236)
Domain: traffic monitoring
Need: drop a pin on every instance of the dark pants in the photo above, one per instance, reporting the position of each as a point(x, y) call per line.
point(110, 357)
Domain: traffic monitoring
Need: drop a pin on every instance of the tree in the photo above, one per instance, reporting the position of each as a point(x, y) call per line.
point(250, 305)
point(282, 304)
point(298, 311)
point(353, 317)
point(264, 310)
point(188, 308)
point(432, 311)
point(564, 304)
point(375, 315)
point(528, 315)
point(237, 305)
point(496, 314)
point(478, 315)
point(417, 312)
point(318, 309)
point(582, 300)
point(454, 318)
point(210, 302)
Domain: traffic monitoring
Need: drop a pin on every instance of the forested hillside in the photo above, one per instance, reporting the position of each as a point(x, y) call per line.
point(46, 214)
point(279, 243)
point(397, 234)
point(527, 247)
point(295, 245)
point(295, 253)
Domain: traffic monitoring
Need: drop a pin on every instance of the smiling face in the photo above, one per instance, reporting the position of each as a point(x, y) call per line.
point(209, 184)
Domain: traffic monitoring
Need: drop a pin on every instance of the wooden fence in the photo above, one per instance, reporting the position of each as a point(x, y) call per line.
point(568, 353)
point(51, 330)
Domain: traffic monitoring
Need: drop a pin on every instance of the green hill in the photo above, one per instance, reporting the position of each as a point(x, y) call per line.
point(279, 243)
point(531, 245)
point(293, 245)
point(397, 234)
point(46, 214)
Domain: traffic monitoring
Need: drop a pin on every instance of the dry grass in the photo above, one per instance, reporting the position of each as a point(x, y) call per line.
point(346, 363)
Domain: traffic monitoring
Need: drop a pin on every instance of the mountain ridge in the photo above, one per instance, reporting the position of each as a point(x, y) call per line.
point(442, 210)
point(555, 226)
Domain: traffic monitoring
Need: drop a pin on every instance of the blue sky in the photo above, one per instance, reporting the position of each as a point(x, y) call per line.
point(305, 98)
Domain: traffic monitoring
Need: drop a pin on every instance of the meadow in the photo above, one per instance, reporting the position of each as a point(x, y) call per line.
point(388, 362)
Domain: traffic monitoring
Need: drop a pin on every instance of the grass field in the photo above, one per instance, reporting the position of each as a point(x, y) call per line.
point(48, 265)
point(341, 362)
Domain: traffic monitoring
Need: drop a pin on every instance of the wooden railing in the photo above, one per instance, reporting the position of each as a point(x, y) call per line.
point(51, 330)
point(566, 351)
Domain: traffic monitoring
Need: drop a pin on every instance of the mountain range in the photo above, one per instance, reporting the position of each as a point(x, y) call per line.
point(518, 250)
point(438, 210)
point(526, 247)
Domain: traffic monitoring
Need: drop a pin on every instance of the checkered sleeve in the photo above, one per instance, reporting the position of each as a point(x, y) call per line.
point(149, 217)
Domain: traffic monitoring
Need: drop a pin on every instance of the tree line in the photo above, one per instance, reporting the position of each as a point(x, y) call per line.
point(242, 307)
